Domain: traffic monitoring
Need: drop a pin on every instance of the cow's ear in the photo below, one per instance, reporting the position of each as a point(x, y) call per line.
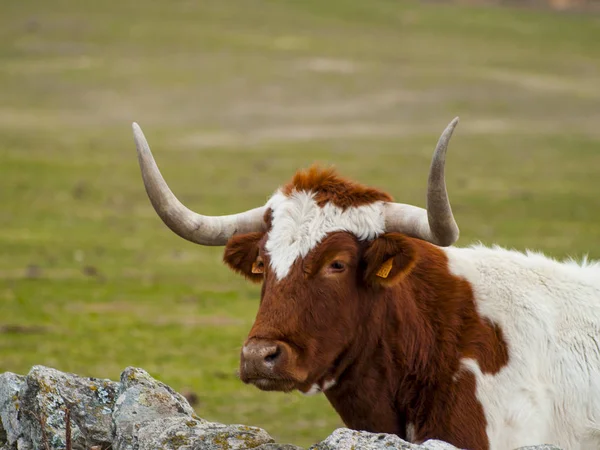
point(242, 256)
point(388, 259)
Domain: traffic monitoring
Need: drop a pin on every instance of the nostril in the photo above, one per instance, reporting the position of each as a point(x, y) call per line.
point(273, 354)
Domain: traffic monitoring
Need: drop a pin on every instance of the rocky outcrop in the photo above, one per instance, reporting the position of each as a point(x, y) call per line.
point(48, 410)
point(346, 439)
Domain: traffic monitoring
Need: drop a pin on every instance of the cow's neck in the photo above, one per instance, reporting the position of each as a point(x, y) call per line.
point(403, 369)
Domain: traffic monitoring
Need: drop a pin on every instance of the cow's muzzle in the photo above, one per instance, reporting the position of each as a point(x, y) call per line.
point(269, 365)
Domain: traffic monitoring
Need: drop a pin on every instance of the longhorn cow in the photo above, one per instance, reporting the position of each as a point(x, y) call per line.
point(367, 301)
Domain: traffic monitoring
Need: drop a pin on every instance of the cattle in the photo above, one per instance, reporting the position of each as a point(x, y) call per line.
point(369, 302)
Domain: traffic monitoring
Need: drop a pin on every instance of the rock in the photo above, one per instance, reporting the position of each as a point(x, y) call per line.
point(141, 400)
point(149, 415)
point(278, 447)
point(345, 439)
point(540, 447)
point(186, 433)
point(140, 413)
point(10, 430)
point(434, 444)
point(45, 398)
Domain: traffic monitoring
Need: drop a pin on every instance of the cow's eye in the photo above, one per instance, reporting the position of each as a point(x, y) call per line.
point(337, 266)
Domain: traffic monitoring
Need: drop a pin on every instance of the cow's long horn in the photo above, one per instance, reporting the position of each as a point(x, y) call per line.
point(436, 224)
point(204, 230)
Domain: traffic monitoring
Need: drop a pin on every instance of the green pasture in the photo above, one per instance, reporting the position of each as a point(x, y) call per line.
point(234, 96)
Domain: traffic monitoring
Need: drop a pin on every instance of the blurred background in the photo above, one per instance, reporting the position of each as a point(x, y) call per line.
point(234, 97)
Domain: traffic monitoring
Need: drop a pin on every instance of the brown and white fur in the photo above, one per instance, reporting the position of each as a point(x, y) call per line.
point(482, 348)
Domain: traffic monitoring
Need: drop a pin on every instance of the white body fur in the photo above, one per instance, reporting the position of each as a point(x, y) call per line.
point(549, 312)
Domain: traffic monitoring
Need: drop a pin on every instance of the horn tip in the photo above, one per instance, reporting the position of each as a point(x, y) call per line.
point(140, 140)
point(138, 134)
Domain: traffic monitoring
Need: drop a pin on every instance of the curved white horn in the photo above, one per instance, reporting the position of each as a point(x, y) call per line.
point(204, 230)
point(435, 224)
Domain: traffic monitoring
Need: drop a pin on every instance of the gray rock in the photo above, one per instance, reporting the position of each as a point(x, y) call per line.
point(46, 396)
point(142, 400)
point(10, 430)
point(345, 439)
point(187, 433)
point(434, 444)
point(149, 415)
point(540, 447)
point(277, 447)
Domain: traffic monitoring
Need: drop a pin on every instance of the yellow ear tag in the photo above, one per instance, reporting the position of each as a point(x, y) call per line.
point(256, 268)
point(385, 268)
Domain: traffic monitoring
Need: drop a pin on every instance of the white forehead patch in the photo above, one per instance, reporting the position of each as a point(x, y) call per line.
point(299, 224)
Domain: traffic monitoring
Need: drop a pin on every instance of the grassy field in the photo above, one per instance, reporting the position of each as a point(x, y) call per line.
point(234, 97)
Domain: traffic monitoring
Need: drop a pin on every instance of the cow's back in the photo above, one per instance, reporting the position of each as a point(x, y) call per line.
point(549, 313)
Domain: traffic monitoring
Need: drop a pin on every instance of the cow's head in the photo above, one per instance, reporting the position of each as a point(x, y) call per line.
point(321, 247)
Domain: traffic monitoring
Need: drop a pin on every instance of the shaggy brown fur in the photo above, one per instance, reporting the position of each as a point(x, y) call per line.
point(329, 187)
